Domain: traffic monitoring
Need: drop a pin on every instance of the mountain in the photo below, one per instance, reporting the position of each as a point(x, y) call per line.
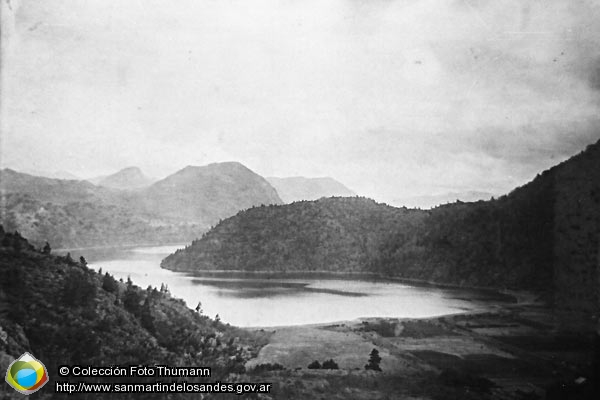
point(543, 236)
point(65, 313)
point(431, 201)
point(97, 179)
point(80, 214)
point(330, 234)
point(174, 210)
point(66, 175)
point(205, 195)
point(300, 188)
point(58, 191)
point(127, 178)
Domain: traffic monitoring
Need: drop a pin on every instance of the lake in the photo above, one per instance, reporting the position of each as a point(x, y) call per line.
point(264, 301)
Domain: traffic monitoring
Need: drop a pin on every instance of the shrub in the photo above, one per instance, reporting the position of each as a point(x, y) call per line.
point(268, 367)
point(330, 364)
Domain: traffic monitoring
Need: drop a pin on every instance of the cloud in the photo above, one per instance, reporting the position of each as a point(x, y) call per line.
point(392, 97)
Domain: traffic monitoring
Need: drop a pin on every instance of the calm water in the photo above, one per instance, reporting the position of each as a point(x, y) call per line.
point(260, 301)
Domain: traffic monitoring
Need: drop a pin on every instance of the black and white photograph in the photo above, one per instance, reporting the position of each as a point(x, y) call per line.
point(300, 199)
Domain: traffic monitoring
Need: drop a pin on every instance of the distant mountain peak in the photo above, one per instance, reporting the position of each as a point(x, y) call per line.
point(128, 178)
point(210, 192)
point(132, 169)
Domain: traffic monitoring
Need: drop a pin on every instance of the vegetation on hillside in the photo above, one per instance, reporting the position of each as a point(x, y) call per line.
point(336, 234)
point(510, 242)
point(176, 209)
point(64, 313)
point(501, 242)
point(87, 224)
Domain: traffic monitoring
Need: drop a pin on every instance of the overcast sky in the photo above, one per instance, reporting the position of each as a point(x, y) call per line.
point(393, 98)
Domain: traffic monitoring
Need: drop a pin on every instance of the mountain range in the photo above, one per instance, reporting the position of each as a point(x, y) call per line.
point(178, 208)
point(543, 236)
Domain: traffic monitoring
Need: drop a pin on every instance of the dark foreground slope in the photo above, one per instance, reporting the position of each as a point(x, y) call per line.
point(542, 236)
point(64, 313)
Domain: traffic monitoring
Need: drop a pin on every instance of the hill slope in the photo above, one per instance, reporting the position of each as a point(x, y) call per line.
point(177, 209)
point(299, 188)
point(543, 236)
point(333, 234)
point(64, 313)
point(57, 191)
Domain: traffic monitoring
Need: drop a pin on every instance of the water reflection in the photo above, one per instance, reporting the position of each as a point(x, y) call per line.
point(257, 300)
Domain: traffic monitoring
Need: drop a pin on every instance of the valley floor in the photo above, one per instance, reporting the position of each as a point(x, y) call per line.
point(518, 351)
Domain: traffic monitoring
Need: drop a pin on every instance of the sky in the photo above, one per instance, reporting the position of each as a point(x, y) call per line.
point(394, 98)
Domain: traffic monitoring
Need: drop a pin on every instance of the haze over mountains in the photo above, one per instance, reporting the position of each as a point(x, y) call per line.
point(543, 236)
point(54, 174)
point(208, 193)
point(127, 178)
point(300, 188)
point(128, 207)
point(431, 201)
point(178, 208)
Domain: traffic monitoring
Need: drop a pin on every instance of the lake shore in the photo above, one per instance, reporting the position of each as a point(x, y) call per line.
point(518, 351)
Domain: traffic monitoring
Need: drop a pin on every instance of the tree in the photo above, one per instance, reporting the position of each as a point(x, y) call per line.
point(83, 261)
point(146, 317)
point(314, 365)
point(110, 284)
point(132, 300)
point(78, 290)
point(47, 249)
point(330, 364)
point(374, 361)
point(164, 288)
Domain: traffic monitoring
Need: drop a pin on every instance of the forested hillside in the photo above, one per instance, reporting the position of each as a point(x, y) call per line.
point(86, 224)
point(504, 242)
point(528, 239)
point(64, 313)
point(335, 234)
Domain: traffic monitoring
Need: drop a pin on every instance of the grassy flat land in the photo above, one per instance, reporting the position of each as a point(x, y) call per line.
point(518, 351)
